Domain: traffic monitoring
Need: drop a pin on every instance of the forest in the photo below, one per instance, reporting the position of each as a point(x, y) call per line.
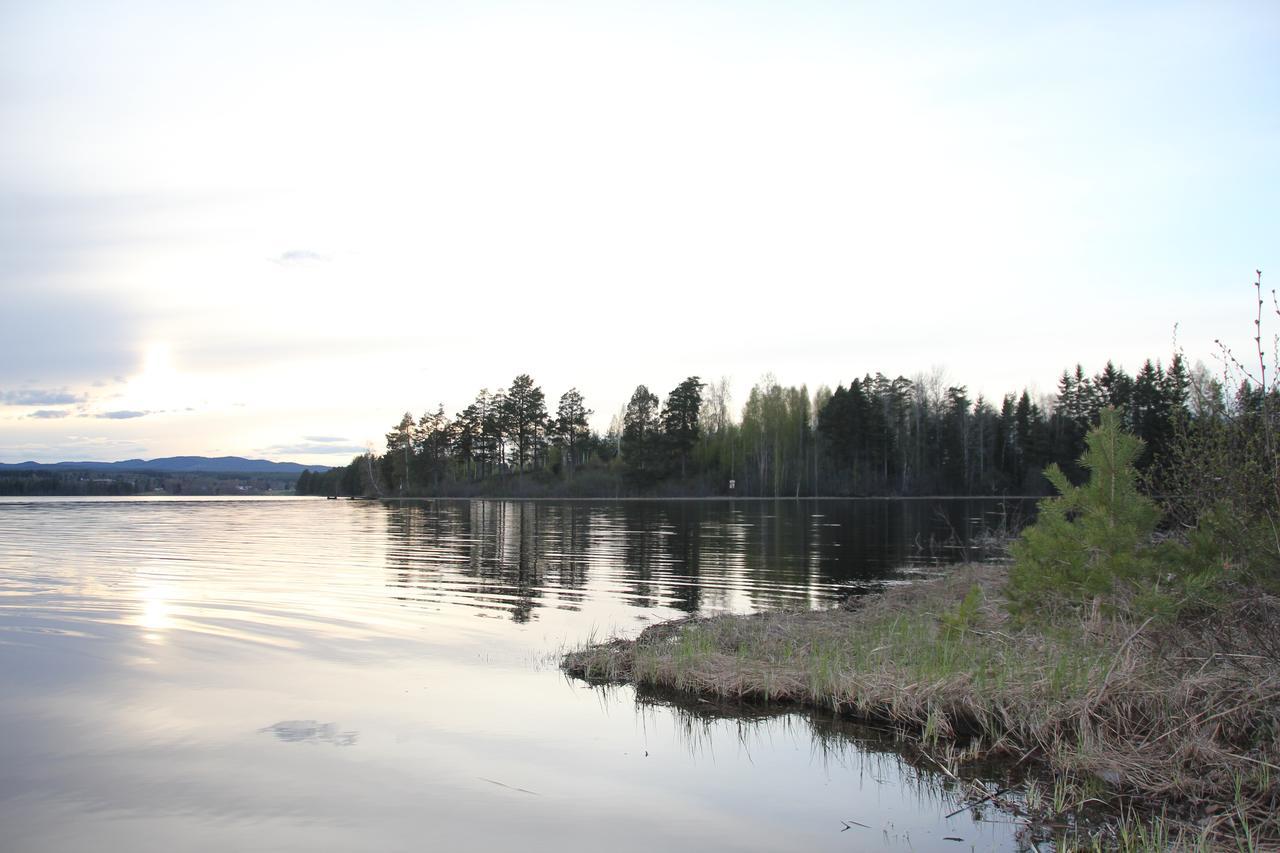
point(875, 436)
point(80, 483)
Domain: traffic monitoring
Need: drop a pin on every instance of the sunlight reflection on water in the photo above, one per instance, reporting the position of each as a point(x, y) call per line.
point(170, 668)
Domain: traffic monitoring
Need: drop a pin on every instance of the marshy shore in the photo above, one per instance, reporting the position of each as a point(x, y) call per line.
point(1169, 725)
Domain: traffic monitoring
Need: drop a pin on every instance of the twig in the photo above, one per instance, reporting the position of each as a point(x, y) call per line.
point(967, 806)
point(1247, 758)
point(508, 787)
point(1186, 723)
point(941, 766)
point(1027, 755)
point(1116, 661)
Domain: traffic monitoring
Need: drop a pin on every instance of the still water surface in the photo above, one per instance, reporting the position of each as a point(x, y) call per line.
point(301, 674)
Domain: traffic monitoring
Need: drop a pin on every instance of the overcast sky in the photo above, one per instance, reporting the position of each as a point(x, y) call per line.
point(267, 229)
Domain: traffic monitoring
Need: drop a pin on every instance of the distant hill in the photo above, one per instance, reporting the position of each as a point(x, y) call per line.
point(173, 465)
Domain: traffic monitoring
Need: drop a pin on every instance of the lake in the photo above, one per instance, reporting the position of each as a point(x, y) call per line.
point(302, 674)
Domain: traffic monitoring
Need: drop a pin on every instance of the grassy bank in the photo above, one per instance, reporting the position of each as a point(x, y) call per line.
point(1174, 717)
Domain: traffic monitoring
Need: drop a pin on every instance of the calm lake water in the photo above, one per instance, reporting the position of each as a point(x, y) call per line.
point(301, 674)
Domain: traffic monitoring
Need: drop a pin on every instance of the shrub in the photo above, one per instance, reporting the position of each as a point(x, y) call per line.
point(1091, 538)
point(1221, 476)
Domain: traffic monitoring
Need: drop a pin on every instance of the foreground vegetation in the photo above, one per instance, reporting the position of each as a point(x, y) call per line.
point(1174, 716)
point(1131, 647)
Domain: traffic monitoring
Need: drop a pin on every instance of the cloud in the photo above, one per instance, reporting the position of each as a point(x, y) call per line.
point(49, 413)
point(79, 448)
point(300, 256)
point(56, 334)
point(60, 252)
point(335, 449)
point(40, 397)
point(122, 414)
point(324, 439)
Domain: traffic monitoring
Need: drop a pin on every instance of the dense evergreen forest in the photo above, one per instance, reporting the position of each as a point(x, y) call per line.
point(79, 483)
point(876, 436)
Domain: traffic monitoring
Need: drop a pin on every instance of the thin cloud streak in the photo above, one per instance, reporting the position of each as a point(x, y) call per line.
point(300, 256)
point(40, 397)
point(122, 415)
point(333, 449)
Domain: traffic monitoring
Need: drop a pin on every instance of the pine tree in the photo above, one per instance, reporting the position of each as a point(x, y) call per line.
point(399, 452)
point(524, 414)
point(680, 419)
point(495, 428)
point(640, 436)
point(570, 426)
point(468, 435)
point(1089, 536)
point(434, 437)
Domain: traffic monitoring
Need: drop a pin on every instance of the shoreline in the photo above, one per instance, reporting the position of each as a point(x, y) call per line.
point(1175, 722)
point(621, 499)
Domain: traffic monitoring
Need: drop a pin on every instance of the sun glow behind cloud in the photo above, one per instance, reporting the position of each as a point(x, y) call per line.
point(158, 387)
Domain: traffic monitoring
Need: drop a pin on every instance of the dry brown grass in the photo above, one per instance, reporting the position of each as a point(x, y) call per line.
point(1181, 717)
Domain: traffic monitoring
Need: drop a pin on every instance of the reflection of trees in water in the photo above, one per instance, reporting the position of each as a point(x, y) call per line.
point(497, 554)
point(692, 556)
point(643, 553)
point(565, 546)
point(775, 561)
point(481, 553)
point(500, 542)
point(685, 543)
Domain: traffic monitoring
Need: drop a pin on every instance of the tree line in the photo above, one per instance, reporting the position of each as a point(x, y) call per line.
point(874, 436)
point(75, 482)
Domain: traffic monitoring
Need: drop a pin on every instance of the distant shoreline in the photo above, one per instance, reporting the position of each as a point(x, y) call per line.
point(754, 499)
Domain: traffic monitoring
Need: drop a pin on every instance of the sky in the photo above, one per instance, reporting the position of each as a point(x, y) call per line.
point(268, 229)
